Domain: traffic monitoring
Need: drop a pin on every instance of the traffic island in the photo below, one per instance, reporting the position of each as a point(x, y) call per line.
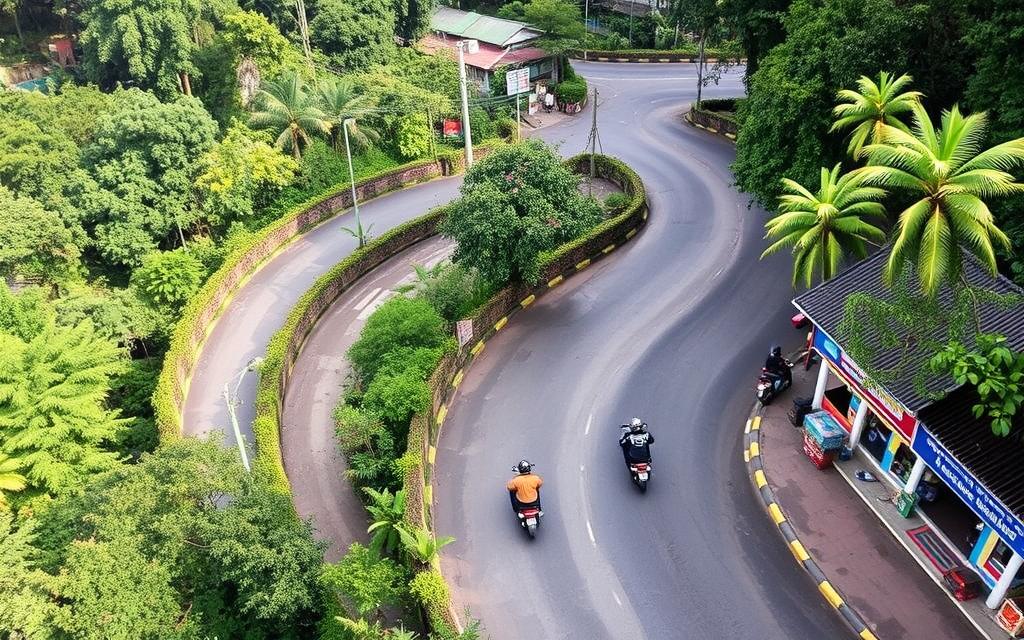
point(845, 539)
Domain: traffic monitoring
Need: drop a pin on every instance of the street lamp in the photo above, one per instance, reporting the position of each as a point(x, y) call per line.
point(630, 23)
point(345, 124)
point(232, 400)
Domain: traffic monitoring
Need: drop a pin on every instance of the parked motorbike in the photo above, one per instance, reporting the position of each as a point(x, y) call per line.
point(770, 385)
point(640, 471)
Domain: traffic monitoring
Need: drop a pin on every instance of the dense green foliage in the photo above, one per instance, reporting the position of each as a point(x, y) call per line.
point(517, 202)
point(995, 372)
point(354, 35)
point(143, 158)
point(182, 544)
point(36, 243)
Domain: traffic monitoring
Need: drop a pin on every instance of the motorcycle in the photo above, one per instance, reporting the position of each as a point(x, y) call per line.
point(640, 471)
point(529, 517)
point(770, 385)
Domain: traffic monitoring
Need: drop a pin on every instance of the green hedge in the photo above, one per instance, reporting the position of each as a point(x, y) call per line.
point(655, 54)
point(612, 169)
point(571, 91)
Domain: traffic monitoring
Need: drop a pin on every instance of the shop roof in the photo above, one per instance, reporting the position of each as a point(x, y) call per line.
point(488, 56)
point(994, 460)
point(825, 306)
point(486, 29)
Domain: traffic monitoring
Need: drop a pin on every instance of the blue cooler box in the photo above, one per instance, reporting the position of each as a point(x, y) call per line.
point(826, 432)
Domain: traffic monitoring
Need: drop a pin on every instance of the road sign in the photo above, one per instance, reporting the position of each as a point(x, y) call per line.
point(464, 329)
point(517, 81)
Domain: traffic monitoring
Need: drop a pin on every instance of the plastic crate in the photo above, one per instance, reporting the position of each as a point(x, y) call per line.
point(821, 459)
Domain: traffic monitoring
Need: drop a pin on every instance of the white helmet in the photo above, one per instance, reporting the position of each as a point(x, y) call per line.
point(636, 424)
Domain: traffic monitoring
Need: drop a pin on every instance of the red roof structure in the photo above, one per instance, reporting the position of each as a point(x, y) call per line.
point(488, 57)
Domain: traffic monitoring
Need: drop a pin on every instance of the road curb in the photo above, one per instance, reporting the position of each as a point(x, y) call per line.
point(728, 136)
point(752, 458)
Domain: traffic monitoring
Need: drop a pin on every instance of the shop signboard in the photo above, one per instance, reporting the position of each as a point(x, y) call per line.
point(517, 81)
point(451, 128)
point(883, 404)
point(987, 507)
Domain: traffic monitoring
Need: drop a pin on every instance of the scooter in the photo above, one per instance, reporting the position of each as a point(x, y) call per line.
point(770, 385)
point(640, 471)
point(529, 517)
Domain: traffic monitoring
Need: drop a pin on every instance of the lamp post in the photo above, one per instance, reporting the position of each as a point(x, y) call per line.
point(631, 23)
point(232, 400)
point(467, 135)
point(345, 124)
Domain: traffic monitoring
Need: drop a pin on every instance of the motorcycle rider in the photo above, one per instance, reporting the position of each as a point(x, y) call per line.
point(636, 442)
point(778, 366)
point(524, 489)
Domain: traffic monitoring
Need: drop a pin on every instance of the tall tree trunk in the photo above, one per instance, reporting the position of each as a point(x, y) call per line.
point(186, 85)
point(700, 67)
point(675, 41)
point(17, 24)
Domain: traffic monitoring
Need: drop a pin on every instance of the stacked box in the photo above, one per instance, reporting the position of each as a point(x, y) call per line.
point(823, 429)
point(821, 459)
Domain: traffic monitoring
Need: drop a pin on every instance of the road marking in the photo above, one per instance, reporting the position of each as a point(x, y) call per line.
point(365, 301)
point(590, 532)
point(590, 420)
point(616, 596)
point(776, 512)
point(373, 306)
point(756, 424)
point(760, 479)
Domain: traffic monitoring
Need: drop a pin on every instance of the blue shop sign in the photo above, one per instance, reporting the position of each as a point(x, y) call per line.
point(987, 507)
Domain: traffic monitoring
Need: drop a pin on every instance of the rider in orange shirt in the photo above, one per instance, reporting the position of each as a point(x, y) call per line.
point(524, 489)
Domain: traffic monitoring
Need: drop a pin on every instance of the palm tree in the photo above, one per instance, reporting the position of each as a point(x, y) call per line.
point(10, 479)
point(947, 168)
point(284, 106)
point(340, 100)
point(872, 106)
point(824, 226)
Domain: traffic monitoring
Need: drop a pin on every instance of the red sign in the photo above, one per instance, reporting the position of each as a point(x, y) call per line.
point(452, 128)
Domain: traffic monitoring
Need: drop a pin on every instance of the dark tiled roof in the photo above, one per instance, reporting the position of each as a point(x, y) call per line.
point(992, 459)
point(825, 305)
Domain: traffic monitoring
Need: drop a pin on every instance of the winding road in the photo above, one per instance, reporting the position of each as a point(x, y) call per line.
point(672, 327)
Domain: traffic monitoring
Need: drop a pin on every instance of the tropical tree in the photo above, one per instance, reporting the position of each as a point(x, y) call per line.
point(871, 106)
point(53, 414)
point(947, 168)
point(387, 511)
point(288, 110)
point(10, 479)
point(340, 100)
point(824, 226)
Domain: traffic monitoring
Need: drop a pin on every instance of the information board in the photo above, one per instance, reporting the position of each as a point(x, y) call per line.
point(517, 81)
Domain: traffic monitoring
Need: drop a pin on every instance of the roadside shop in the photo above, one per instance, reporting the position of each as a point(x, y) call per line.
point(939, 460)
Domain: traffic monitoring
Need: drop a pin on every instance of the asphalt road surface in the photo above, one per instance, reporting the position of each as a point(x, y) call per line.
point(260, 306)
point(315, 468)
point(673, 328)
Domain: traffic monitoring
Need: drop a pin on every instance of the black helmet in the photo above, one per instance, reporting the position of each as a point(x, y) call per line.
point(776, 351)
point(524, 466)
point(636, 425)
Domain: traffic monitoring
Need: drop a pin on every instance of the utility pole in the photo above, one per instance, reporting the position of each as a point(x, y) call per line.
point(467, 134)
point(631, 24)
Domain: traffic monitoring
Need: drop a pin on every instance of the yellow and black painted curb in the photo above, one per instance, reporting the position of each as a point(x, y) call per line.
point(729, 136)
point(752, 457)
